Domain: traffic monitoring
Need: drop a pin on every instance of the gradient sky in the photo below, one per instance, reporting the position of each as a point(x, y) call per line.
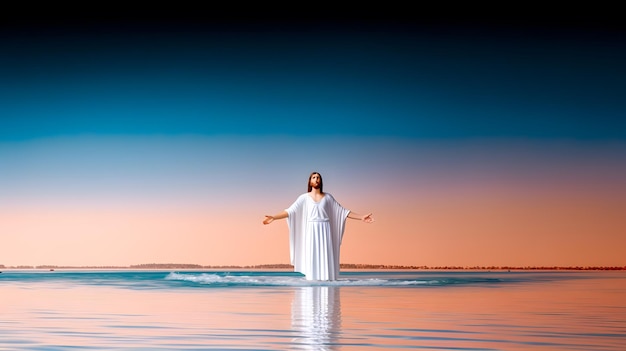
point(473, 142)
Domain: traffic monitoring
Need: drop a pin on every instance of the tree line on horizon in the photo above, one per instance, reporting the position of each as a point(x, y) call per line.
point(289, 266)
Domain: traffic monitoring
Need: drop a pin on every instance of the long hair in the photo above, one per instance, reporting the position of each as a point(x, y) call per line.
point(308, 184)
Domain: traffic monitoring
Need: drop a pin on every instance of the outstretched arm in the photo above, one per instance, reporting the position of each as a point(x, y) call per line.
point(365, 218)
point(270, 219)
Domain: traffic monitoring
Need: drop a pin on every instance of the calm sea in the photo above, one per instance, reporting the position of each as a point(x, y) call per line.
point(429, 310)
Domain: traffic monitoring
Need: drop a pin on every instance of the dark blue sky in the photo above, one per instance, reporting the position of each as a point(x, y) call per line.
point(406, 75)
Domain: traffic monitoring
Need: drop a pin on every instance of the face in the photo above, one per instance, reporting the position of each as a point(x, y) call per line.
point(315, 181)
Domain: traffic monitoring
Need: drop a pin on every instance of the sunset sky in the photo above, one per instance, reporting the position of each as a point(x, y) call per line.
point(473, 142)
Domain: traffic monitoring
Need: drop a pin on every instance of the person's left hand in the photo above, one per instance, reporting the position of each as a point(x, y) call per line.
point(368, 218)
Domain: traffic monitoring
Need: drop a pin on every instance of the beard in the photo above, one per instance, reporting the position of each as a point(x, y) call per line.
point(316, 186)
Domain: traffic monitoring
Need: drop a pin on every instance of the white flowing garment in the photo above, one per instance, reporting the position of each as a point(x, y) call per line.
point(315, 233)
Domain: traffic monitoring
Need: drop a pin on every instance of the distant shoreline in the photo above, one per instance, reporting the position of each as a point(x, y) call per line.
point(348, 266)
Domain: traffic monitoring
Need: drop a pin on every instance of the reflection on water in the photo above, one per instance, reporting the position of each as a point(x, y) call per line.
point(316, 316)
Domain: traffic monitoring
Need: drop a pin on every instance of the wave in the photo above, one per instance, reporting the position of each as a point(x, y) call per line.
point(212, 279)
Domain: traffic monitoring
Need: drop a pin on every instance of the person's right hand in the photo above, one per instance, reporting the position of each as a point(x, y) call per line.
point(268, 219)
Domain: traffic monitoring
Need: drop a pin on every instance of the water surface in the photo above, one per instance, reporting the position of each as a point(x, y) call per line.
point(430, 310)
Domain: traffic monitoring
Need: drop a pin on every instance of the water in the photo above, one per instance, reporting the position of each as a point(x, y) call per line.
point(428, 310)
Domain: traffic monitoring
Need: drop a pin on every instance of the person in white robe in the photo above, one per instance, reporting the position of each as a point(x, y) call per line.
point(316, 224)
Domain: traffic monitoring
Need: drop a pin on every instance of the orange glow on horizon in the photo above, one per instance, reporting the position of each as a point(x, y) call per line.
point(518, 228)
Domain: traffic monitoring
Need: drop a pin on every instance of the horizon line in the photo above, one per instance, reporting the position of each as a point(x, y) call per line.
point(149, 266)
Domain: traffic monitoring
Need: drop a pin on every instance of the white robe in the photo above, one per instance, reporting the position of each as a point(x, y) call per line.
point(315, 233)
